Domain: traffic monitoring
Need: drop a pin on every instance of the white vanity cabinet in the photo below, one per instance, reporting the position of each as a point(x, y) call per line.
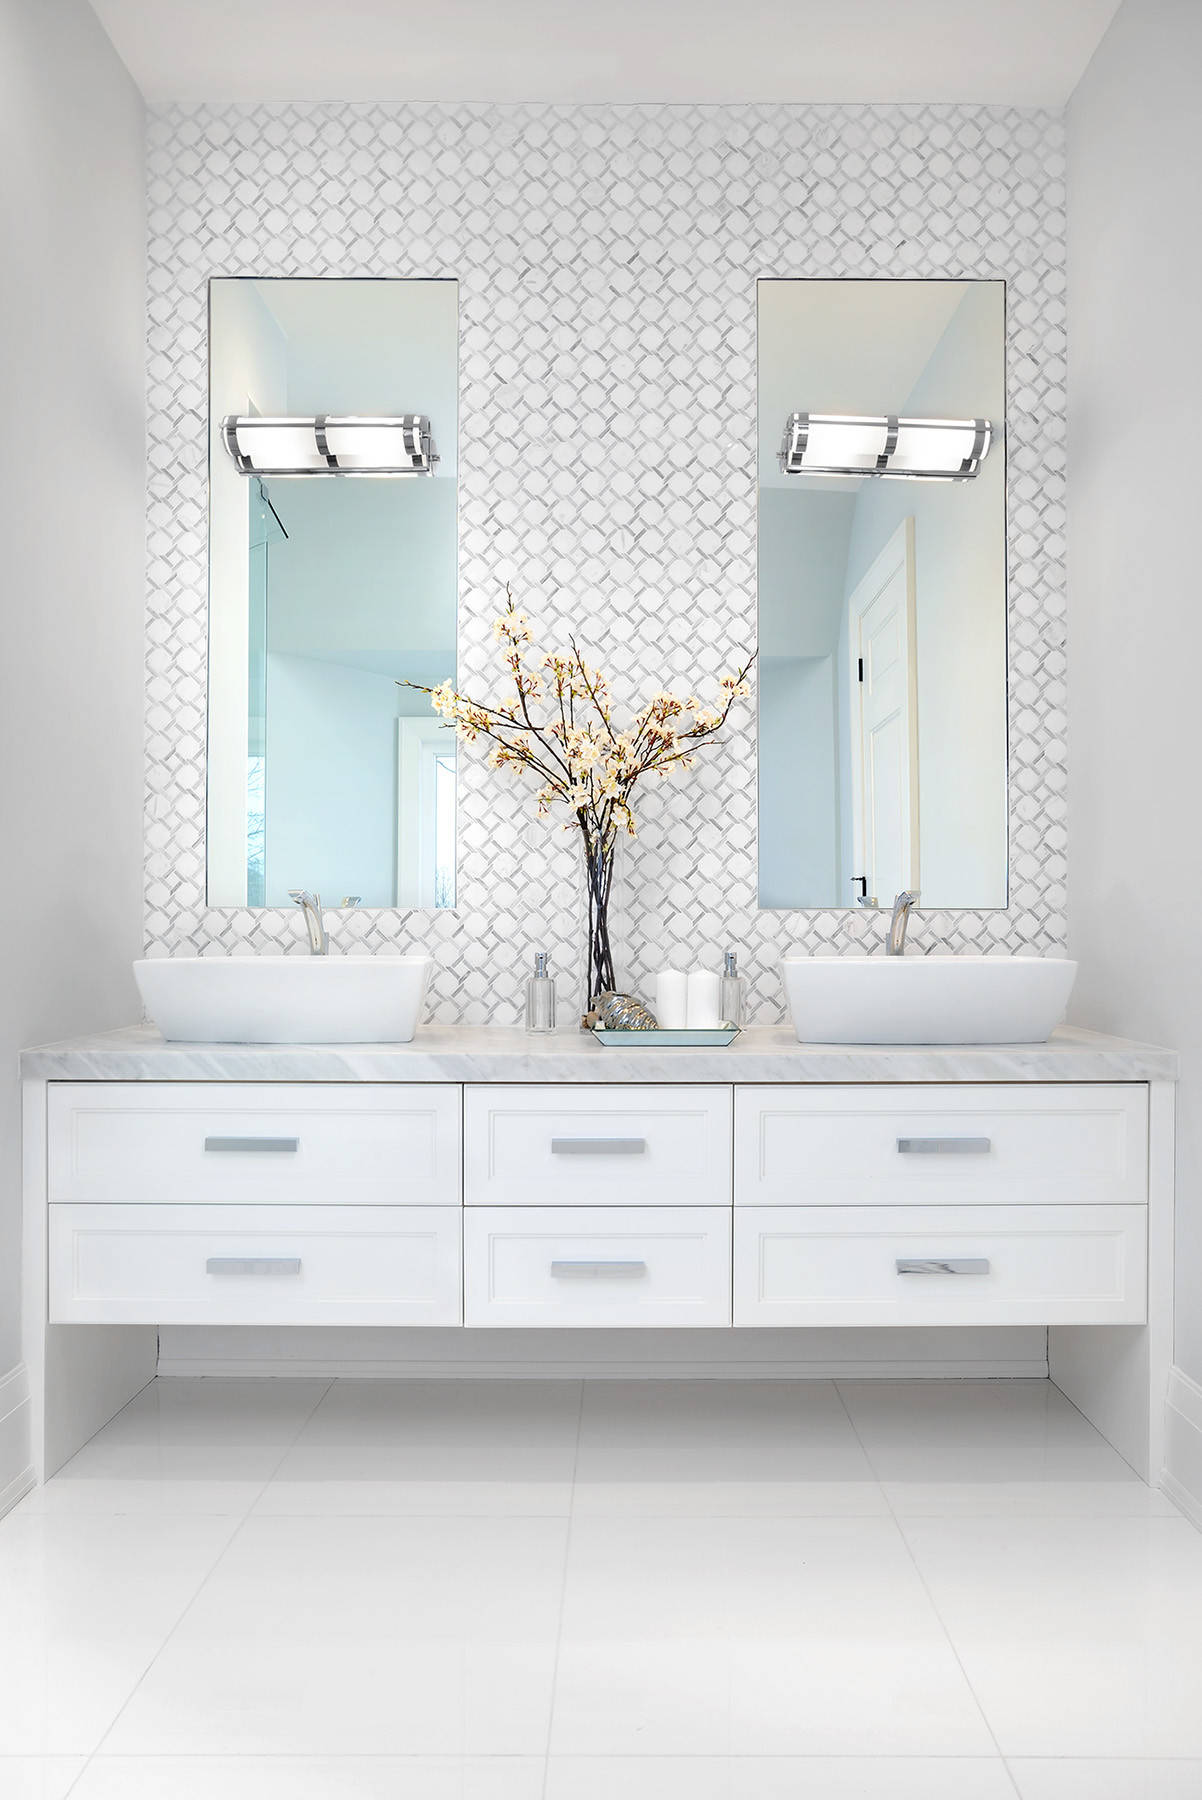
point(488, 1179)
point(623, 1204)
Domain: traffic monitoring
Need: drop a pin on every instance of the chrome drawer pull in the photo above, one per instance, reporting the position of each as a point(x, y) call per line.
point(289, 1145)
point(597, 1271)
point(942, 1265)
point(598, 1146)
point(944, 1146)
point(253, 1265)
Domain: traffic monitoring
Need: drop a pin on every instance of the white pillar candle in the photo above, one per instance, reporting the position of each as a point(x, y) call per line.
point(671, 999)
point(704, 999)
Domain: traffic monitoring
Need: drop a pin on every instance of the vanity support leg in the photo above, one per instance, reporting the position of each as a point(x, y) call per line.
point(79, 1375)
point(1118, 1375)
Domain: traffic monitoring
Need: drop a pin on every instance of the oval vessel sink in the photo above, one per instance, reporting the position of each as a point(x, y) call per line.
point(927, 999)
point(285, 999)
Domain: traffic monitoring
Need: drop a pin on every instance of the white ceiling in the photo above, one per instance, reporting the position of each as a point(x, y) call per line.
point(1017, 52)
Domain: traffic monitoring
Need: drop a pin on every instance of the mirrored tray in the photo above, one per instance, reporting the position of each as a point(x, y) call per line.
point(663, 1038)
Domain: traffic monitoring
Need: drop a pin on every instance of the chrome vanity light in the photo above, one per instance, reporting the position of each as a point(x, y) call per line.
point(328, 446)
point(920, 449)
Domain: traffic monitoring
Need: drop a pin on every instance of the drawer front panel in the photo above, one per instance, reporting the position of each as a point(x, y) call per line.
point(980, 1265)
point(597, 1146)
point(265, 1144)
point(255, 1265)
point(557, 1266)
point(1024, 1144)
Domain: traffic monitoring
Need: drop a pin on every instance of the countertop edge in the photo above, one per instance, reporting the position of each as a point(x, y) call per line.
point(501, 1054)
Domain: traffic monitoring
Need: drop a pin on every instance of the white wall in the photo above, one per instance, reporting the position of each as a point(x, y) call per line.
point(1135, 587)
point(72, 226)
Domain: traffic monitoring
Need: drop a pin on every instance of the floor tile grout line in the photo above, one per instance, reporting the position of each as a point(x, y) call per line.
point(563, 1588)
point(185, 1609)
point(922, 1580)
point(290, 1446)
point(98, 1747)
point(518, 1756)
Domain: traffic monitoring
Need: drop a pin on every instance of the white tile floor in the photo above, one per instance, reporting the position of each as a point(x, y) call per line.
point(309, 1590)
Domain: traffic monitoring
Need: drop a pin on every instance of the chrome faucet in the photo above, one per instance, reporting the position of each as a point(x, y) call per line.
point(310, 905)
point(895, 944)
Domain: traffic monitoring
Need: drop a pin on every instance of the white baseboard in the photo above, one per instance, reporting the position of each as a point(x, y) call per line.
point(16, 1470)
point(617, 1355)
point(1182, 1476)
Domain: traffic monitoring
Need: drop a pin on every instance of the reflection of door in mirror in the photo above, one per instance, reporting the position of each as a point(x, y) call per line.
point(868, 554)
point(265, 528)
point(883, 709)
point(328, 589)
point(426, 758)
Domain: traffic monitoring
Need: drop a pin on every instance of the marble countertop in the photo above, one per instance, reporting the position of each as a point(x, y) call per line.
point(503, 1053)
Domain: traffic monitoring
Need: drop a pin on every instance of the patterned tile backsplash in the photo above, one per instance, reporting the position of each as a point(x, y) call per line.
point(607, 260)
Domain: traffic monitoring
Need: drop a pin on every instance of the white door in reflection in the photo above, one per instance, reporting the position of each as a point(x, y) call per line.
point(426, 759)
point(884, 711)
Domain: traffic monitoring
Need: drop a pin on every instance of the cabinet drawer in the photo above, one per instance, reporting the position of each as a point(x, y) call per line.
point(963, 1265)
point(612, 1265)
point(255, 1265)
point(597, 1146)
point(372, 1144)
point(1084, 1145)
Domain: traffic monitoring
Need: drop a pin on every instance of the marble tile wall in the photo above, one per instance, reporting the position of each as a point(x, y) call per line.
point(607, 260)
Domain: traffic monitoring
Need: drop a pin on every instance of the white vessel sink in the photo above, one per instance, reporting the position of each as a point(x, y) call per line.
point(927, 999)
point(285, 999)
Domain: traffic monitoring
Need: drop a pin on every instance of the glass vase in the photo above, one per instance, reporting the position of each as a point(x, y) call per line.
point(598, 881)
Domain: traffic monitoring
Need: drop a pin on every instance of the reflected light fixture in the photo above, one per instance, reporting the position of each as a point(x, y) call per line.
point(919, 449)
point(329, 446)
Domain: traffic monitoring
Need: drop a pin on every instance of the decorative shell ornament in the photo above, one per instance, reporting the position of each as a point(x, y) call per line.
point(623, 1012)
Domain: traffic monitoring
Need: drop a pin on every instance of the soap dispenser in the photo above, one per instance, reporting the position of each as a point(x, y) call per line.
point(731, 997)
point(540, 996)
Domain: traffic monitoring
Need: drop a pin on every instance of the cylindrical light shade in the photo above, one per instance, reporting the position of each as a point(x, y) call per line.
point(930, 449)
point(329, 446)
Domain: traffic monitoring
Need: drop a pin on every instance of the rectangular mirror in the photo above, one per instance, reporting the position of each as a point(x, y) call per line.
point(333, 448)
point(882, 593)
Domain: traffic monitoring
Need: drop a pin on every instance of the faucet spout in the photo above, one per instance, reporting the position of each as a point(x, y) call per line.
point(895, 944)
point(310, 905)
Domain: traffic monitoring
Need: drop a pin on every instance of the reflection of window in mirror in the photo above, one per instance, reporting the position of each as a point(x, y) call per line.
point(325, 591)
point(882, 599)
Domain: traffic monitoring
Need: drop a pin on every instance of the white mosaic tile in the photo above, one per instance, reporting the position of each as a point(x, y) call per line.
point(607, 260)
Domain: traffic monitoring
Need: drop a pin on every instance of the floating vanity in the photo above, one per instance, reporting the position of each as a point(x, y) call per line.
point(486, 1179)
